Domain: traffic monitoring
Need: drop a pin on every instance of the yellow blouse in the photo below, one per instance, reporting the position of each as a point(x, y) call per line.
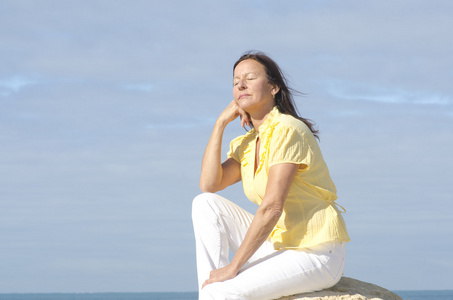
point(310, 216)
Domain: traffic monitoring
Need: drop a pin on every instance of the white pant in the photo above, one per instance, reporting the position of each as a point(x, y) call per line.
point(220, 225)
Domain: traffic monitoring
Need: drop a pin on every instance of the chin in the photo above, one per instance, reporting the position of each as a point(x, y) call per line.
point(244, 105)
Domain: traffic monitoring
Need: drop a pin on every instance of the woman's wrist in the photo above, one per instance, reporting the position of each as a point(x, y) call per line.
point(222, 123)
point(237, 262)
point(235, 267)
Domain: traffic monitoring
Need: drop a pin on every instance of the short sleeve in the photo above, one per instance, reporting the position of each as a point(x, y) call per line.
point(288, 145)
point(235, 151)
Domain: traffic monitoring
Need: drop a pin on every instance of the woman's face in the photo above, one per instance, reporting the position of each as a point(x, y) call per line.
point(251, 89)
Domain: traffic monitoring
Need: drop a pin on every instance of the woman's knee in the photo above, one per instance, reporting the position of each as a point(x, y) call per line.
point(200, 204)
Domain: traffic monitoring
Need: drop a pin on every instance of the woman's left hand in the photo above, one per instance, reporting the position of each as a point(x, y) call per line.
point(221, 274)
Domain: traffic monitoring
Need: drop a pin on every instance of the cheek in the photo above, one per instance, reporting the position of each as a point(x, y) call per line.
point(264, 89)
point(235, 93)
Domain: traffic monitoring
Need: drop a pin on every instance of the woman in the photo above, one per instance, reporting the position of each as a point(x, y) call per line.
point(295, 241)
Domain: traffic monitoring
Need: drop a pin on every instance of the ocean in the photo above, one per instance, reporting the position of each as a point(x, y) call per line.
point(102, 296)
point(405, 295)
point(425, 295)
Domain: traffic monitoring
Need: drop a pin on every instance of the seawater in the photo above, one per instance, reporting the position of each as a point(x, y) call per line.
point(405, 295)
point(102, 296)
point(425, 295)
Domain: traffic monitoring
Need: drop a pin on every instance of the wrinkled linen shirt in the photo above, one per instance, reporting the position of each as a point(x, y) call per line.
point(310, 215)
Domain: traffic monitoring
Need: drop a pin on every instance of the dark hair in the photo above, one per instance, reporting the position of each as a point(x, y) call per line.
point(284, 98)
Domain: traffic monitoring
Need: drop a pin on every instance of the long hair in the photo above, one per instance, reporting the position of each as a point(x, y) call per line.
point(284, 98)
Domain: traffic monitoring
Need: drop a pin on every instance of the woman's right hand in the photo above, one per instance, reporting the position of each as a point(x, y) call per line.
point(231, 112)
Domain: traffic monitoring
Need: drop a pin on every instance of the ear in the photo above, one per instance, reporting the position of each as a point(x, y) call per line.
point(275, 90)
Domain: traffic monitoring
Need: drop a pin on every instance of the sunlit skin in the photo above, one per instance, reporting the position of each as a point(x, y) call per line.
point(252, 91)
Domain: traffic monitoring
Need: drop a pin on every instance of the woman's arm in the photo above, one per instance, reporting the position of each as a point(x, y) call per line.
point(216, 176)
point(279, 181)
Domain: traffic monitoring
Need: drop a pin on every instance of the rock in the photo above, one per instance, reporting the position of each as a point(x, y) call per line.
point(348, 289)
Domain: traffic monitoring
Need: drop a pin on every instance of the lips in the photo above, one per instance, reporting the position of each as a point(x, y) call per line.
point(243, 95)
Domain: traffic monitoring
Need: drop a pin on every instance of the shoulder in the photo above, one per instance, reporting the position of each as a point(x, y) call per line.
point(243, 140)
point(241, 145)
point(287, 123)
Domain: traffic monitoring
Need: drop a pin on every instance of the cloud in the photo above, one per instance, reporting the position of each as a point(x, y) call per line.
point(363, 91)
point(181, 123)
point(14, 84)
point(141, 87)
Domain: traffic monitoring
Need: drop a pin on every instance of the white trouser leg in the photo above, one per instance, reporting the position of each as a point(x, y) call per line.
point(282, 273)
point(221, 225)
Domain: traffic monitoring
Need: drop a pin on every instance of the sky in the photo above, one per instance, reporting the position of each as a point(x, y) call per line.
point(106, 108)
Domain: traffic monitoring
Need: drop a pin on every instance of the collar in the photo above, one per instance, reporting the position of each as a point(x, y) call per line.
point(268, 121)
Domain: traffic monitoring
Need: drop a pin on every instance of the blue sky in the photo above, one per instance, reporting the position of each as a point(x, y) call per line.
point(106, 107)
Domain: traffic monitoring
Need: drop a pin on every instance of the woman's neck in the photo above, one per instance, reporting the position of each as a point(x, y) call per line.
point(259, 117)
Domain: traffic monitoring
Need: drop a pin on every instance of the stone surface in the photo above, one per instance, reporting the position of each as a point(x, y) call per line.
point(348, 289)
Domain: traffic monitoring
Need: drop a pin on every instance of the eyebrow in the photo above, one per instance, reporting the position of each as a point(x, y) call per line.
point(246, 74)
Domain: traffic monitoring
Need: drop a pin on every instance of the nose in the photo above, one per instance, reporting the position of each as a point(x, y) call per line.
point(241, 84)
